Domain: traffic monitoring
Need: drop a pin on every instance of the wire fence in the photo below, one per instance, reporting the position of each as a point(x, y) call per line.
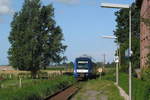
point(18, 79)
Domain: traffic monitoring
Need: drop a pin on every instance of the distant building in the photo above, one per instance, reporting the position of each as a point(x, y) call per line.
point(5, 68)
point(144, 31)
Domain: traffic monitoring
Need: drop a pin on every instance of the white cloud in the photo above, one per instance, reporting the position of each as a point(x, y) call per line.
point(65, 1)
point(5, 7)
point(68, 1)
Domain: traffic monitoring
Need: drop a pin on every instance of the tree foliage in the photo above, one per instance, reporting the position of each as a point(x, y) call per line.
point(122, 34)
point(36, 40)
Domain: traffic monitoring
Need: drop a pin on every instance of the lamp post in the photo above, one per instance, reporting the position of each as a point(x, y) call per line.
point(110, 5)
point(117, 59)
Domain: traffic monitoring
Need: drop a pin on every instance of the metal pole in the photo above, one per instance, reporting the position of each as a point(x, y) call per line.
point(117, 73)
point(104, 60)
point(130, 70)
point(117, 63)
point(118, 68)
point(119, 56)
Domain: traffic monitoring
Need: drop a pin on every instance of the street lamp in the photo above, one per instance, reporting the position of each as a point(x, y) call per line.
point(117, 57)
point(110, 5)
point(109, 37)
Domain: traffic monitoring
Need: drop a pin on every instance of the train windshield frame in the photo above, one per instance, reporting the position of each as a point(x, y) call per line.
point(82, 65)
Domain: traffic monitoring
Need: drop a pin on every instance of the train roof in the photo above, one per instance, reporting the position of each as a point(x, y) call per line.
point(85, 58)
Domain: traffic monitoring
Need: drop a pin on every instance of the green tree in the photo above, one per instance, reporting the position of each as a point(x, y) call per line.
point(122, 34)
point(36, 40)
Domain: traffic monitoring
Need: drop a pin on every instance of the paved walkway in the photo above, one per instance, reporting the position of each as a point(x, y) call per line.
point(122, 92)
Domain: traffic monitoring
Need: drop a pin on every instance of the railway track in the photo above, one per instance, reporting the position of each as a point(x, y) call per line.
point(66, 93)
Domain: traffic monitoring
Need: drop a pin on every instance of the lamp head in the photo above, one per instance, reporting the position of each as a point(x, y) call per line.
point(111, 5)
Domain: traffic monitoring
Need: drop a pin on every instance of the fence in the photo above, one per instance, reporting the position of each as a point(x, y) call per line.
point(19, 79)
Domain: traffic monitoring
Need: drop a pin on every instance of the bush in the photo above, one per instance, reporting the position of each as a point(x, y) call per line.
point(124, 68)
point(109, 75)
point(146, 74)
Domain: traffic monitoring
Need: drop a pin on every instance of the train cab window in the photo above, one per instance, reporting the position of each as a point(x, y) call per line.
point(82, 65)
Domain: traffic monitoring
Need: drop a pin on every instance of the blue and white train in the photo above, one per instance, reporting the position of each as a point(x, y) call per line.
point(84, 68)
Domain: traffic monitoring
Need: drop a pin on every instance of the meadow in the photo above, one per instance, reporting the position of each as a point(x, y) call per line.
point(19, 85)
point(140, 88)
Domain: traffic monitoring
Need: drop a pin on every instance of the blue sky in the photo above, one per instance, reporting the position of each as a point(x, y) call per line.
point(83, 23)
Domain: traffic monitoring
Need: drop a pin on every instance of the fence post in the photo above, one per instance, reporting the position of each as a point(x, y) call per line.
point(20, 82)
point(10, 76)
point(37, 76)
point(48, 76)
point(2, 86)
point(61, 72)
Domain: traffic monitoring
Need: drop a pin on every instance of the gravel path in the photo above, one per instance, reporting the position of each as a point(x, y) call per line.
point(98, 90)
point(92, 95)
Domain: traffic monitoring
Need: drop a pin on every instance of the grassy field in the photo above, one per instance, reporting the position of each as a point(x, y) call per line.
point(98, 90)
point(36, 89)
point(48, 73)
point(16, 78)
point(63, 69)
point(14, 74)
point(16, 83)
point(56, 68)
point(140, 88)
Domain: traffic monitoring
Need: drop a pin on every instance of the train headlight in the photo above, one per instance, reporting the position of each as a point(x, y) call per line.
point(82, 71)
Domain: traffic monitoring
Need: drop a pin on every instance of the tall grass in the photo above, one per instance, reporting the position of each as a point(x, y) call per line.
point(36, 91)
point(140, 88)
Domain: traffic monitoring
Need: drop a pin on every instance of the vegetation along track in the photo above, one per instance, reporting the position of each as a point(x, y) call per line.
point(66, 93)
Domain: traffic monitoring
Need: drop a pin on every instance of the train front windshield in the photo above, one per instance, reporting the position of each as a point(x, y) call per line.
point(82, 65)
